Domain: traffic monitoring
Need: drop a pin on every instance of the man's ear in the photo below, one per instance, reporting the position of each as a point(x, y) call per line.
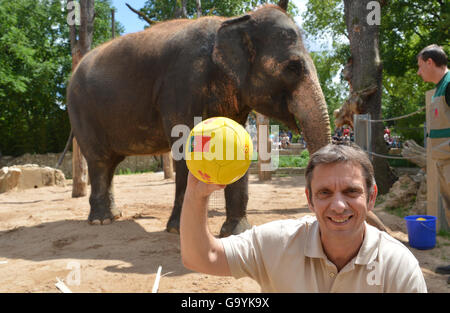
point(310, 205)
point(430, 62)
point(372, 198)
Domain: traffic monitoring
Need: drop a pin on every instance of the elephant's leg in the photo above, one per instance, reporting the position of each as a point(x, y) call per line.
point(101, 173)
point(173, 225)
point(236, 199)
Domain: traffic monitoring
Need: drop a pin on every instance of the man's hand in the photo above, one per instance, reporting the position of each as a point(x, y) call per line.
point(197, 188)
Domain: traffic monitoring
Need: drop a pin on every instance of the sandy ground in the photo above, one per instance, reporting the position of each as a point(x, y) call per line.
point(44, 235)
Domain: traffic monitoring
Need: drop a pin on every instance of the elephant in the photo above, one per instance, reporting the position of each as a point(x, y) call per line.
point(125, 96)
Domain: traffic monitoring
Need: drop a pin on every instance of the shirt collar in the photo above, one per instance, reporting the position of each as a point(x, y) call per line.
point(369, 248)
point(366, 254)
point(313, 247)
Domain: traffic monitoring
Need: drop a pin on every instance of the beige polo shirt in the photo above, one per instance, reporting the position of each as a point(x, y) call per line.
point(287, 256)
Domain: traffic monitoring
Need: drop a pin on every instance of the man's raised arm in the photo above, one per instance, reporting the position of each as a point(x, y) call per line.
point(200, 250)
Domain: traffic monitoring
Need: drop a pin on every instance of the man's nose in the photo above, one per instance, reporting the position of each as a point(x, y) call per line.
point(339, 204)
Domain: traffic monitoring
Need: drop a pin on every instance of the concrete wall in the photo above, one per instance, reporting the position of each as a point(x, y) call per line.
point(131, 163)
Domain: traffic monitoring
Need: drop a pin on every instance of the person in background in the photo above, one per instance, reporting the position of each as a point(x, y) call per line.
point(432, 63)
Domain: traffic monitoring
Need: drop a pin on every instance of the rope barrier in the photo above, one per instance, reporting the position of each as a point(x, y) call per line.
point(398, 117)
point(392, 157)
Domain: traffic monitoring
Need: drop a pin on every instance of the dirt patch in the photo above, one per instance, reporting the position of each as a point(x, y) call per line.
point(43, 233)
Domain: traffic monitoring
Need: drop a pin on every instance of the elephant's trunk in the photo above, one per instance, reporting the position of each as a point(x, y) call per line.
point(309, 107)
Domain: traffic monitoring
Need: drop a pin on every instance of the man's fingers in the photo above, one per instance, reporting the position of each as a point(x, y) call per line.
point(201, 187)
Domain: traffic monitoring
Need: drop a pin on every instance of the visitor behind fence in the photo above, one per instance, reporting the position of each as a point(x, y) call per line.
point(432, 62)
point(334, 251)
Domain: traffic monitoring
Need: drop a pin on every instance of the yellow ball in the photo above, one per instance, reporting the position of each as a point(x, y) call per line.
point(421, 219)
point(218, 151)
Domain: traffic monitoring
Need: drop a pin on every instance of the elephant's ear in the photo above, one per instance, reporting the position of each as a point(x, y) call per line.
point(233, 50)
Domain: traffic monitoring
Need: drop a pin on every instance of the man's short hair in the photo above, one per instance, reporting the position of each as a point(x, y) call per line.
point(332, 153)
point(436, 53)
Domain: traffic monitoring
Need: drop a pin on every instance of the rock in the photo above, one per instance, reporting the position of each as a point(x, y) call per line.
point(9, 178)
point(402, 193)
point(29, 176)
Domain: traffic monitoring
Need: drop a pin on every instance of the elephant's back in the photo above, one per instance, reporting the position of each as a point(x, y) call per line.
point(120, 80)
point(154, 40)
point(148, 51)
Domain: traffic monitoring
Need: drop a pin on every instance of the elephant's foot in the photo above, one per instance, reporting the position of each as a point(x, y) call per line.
point(103, 217)
point(173, 225)
point(234, 227)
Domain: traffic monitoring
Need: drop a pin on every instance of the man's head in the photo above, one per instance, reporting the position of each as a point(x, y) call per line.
point(341, 190)
point(432, 63)
point(341, 153)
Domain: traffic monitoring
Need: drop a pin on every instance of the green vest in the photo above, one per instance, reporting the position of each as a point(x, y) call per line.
point(440, 121)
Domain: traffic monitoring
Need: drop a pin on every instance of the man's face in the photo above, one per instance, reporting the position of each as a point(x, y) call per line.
point(425, 69)
point(339, 199)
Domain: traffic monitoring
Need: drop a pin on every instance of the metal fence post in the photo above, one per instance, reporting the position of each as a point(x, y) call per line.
point(363, 132)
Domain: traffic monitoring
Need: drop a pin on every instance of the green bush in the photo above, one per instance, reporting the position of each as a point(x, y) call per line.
point(294, 160)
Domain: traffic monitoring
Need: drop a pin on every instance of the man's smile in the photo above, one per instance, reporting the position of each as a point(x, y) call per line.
point(340, 220)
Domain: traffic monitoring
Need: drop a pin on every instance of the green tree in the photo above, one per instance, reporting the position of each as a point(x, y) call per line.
point(162, 10)
point(406, 27)
point(328, 65)
point(35, 64)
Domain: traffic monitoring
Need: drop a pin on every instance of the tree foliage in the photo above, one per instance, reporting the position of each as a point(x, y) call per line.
point(161, 10)
point(35, 64)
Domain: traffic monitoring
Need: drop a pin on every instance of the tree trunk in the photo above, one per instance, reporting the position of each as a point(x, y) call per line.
point(180, 10)
point(167, 165)
point(113, 24)
point(415, 153)
point(183, 8)
point(79, 48)
point(199, 7)
point(367, 73)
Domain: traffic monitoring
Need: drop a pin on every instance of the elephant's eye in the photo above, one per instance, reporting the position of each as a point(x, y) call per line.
point(295, 66)
point(289, 34)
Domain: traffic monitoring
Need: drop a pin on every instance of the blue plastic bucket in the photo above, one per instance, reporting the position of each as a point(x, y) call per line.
point(421, 234)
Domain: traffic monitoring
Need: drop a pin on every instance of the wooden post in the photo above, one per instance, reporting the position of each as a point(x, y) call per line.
point(432, 178)
point(79, 47)
point(199, 8)
point(167, 165)
point(264, 148)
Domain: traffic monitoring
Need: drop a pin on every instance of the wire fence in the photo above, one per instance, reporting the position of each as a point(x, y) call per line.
point(366, 133)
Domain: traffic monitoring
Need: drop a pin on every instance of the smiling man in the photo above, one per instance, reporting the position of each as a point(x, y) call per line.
point(335, 251)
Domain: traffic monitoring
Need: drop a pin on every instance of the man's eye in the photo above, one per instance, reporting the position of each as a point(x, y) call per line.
point(323, 193)
point(354, 192)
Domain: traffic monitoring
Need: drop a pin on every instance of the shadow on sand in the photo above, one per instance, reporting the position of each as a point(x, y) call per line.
point(123, 240)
